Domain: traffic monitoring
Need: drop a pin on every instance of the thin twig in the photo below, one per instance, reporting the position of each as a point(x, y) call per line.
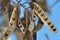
point(47, 37)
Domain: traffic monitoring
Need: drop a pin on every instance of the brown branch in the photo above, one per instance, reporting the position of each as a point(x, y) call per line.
point(27, 17)
point(38, 27)
point(19, 35)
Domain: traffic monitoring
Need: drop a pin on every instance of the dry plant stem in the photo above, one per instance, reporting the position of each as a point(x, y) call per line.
point(27, 17)
point(38, 27)
point(33, 20)
point(19, 35)
point(28, 36)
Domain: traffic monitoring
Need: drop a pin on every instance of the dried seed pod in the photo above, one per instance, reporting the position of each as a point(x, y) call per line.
point(12, 23)
point(21, 26)
point(44, 17)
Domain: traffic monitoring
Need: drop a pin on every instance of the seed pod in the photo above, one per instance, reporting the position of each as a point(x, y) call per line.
point(44, 18)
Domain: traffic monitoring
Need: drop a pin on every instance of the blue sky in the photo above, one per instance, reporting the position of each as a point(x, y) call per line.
point(54, 15)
